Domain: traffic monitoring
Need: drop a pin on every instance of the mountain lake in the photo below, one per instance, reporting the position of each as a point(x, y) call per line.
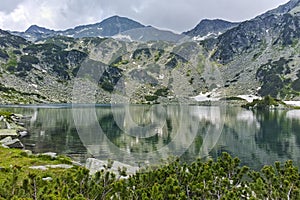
point(137, 134)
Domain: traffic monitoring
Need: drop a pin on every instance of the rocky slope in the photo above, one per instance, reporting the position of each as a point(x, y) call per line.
point(262, 54)
point(149, 33)
point(258, 57)
point(210, 29)
point(46, 71)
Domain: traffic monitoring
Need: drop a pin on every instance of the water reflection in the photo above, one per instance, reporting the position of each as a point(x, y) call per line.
point(260, 138)
point(147, 134)
point(137, 134)
point(51, 129)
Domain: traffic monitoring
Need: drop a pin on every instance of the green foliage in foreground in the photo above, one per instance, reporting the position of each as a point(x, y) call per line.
point(221, 179)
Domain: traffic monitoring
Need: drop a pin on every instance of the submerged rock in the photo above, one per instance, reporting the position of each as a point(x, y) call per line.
point(23, 134)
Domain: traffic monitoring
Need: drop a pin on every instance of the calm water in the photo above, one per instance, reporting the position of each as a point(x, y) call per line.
point(137, 134)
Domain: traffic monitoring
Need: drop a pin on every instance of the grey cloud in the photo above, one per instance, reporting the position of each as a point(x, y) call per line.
point(177, 15)
point(7, 6)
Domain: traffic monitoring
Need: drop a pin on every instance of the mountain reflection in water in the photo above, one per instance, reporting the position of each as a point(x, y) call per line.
point(144, 133)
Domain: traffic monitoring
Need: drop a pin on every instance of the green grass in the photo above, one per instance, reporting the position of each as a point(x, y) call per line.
point(11, 159)
point(12, 62)
point(5, 114)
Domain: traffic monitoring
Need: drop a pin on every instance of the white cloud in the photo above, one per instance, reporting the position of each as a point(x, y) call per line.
point(178, 15)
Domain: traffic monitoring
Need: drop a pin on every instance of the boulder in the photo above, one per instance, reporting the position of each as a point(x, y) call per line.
point(20, 123)
point(75, 163)
point(62, 166)
point(95, 165)
point(46, 167)
point(28, 152)
point(50, 154)
point(6, 147)
point(23, 133)
point(8, 132)
point(8, 125)
point(47, 179)
point(15, 143)
point(39, 167)
point(18, 116)
point(5, 140)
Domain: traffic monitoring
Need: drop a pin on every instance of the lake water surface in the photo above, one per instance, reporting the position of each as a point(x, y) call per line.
point(144, 133)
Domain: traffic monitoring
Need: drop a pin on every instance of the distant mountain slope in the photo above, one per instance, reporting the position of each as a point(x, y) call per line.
point(108, 27)
point(34, 33)
point(149, 34)
point(255, 57)
point(8, 40)
point(46, 71)
point(38, 30)
point(279, 25)
point(210, 28)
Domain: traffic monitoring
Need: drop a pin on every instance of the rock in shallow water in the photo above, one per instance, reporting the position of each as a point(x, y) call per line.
point(23, 133)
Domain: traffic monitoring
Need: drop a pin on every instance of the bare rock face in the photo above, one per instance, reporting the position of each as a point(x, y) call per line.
point(208, 28)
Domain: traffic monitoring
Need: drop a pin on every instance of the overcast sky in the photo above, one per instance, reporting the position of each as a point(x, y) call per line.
point(176, 15)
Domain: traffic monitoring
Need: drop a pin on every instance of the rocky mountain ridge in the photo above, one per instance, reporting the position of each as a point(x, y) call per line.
point(106, 28)
point(210, 29)
point(266, 49)
point(150, 33)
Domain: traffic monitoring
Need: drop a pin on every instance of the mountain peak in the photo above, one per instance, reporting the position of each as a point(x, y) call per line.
point(119, 19)
point(38, 29)
point(116, 24)
point(115, 17)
